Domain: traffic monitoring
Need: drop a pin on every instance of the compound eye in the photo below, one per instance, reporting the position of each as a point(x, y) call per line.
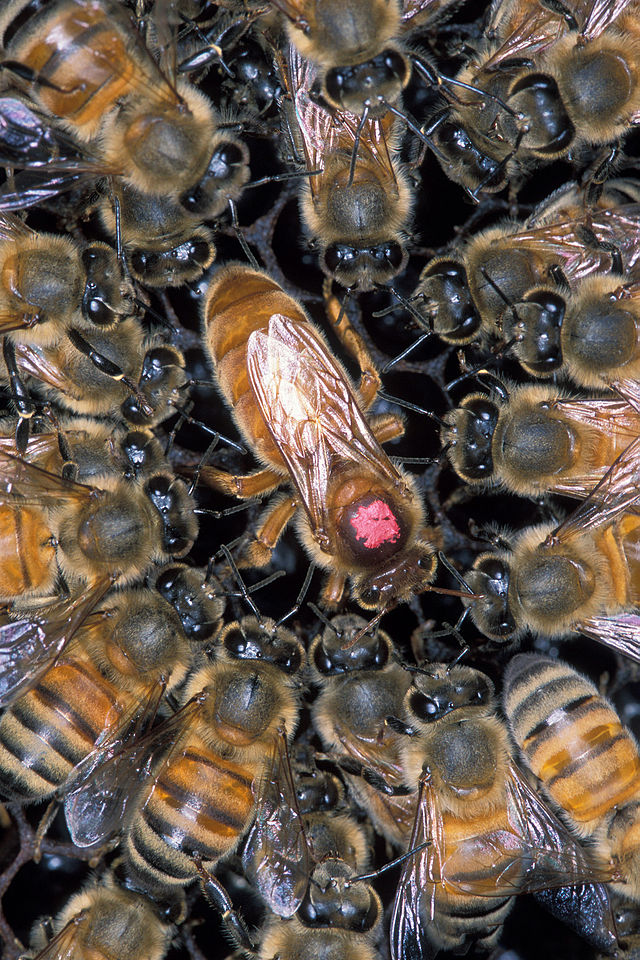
point(339, 255)
point(394, 255)
point(95, 309)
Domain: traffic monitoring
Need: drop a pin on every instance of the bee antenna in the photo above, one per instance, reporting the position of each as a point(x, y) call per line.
point(411, 406)
point(364, 877)
point(281, 177)
point(356, 143)
point(407, 304)
point(495, 385)
point(301, 595)
point(205, 456)
point(405, 353)
point(492, 283)
point(163, 321)
point(367, 627)
point(454, 573)
point(240, 236)
point(415, 130)
point(226, 552)
point(323, 618)
point(203, 426)
point(438, 79)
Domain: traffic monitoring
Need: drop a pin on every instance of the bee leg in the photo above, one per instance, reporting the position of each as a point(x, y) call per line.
point(25, 407)
point(219, 899)
point(242, 486)
point(386, 426)
point(43, 827)
point(272, 525)
point(355, 345)
point(372, 777)
point(333, 590)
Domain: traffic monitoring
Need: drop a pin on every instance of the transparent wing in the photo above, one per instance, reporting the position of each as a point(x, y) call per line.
point(414, 904)
point(96, 810)
point(276, 854)
point(597, 15)
point(22, 482)
point(373, 144)
point(64, 945)
point(311, 412)
point(29, 646)
point(621, 633)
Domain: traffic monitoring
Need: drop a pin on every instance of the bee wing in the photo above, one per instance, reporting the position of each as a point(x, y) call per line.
point(602, 415)
point(417, 886)
point(523, 35)
point(293, 10)
point(373, 145)
point(616, 492)
point(310, 411)
point(22, 482)
point(564, 243)
point(597, 15)
point(423, 10)
point(13, 228)
point(276, 854)
point(621, 633)
point(536, 853)
point(372, 755)
point(96, 810)
point(620, 226)
point(318, 128)
point(29, 138)
point(28, 647)
point(64, 946)
point(31, 187)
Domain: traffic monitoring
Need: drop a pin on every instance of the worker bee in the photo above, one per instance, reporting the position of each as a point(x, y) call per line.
point(489, 835)
point(537, 439)
point(553, 80)
point(361, 516)
point(586, 761)
point(360, 688)
point(356, 47)
point(467, 295)
point(104, 920)
point(103, 687)
point(357, 204)
point(340, 915)
point(579, 576)
point(225, 755)
point(159, 138)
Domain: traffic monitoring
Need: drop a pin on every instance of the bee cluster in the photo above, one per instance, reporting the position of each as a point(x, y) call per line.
point(404, 222)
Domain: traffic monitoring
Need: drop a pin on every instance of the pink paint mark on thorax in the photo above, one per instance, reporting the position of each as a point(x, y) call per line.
point(375, 524)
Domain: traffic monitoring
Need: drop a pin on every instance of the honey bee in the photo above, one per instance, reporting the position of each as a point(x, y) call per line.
point(158, 137)
point(360, 687)
point(589, 335)
point(358, 207)
point(586, 761)
point(103, 921)
point(224, 755)
point(490, 836)
point(361, 516)
point(356, 47)
point(555, 79)
point(339, 916)
point(102, 688)
point(88, 533)
point(577, 577)
point(119, 374)
point(538, 440)
point(467, 295)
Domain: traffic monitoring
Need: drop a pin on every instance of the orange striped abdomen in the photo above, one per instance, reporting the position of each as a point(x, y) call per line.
point(199, 805)
point(239, 301)
point(572, 739)
point(52, 727)
point(27, 555)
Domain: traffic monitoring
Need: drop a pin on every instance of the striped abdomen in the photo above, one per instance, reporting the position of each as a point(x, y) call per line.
point(240, 301)
point(81, 56)
point(27, 555)
point(50, 729)
point(199, 805)
point(572, 739)
point(463, 919)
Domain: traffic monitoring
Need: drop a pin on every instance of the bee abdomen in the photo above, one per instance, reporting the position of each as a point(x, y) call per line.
point(199, 806)
point(47, 732)
point(571, 737)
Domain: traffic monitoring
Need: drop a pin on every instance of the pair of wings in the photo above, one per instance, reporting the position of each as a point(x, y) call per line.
point(412, 11)
point(534, 852)
point(327, 133)
point(526, 28)
point(312, 413)
point(108, 783)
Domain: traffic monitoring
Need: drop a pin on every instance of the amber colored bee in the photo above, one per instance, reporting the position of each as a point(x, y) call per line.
point(466, 295)
point(103, 921)
point(338, 917)
point(357, 208)
point(587, 762)
point(553, 80)
point(537, 439)
point(101, 689)
point(490, 835)
point(361, 516)
point(217, 771)
point(360, 688)
point(576, 577)
point(89, 71)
